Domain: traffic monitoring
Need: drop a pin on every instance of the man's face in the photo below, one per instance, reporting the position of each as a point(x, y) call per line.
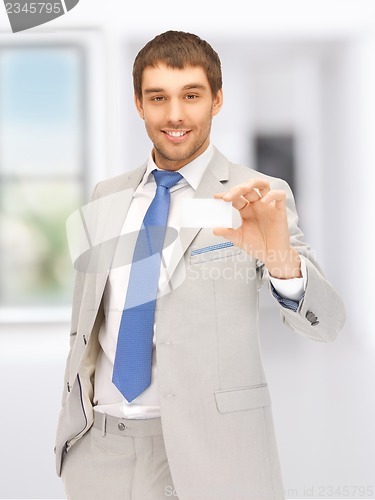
point(177, 107)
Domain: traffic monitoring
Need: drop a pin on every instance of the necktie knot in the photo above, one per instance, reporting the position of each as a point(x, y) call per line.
point(165, 178)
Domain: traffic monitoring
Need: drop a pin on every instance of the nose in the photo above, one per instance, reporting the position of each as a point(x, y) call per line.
point(175, 111)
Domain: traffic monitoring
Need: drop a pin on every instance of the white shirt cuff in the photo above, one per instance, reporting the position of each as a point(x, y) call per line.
point(292, 289)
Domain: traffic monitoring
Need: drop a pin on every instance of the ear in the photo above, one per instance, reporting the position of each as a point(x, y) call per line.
point(217, 102)
point(139, 106)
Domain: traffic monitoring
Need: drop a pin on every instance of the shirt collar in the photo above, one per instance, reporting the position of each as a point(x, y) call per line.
point(192, 172)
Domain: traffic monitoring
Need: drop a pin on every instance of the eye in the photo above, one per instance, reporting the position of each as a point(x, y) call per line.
point(157, 98)
point(191, 97)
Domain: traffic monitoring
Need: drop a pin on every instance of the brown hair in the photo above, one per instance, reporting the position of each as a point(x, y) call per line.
point(178, 49)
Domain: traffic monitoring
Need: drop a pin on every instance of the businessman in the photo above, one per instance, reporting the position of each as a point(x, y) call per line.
point(165, 393)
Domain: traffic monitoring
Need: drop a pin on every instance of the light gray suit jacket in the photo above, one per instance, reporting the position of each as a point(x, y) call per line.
point(214, 400)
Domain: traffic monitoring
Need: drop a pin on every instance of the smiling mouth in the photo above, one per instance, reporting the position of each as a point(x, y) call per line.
point(176, 133)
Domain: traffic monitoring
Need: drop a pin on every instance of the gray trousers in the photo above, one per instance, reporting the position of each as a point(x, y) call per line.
point(119, 459)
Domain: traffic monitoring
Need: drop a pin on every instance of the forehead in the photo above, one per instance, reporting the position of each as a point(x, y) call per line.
point(163, 77)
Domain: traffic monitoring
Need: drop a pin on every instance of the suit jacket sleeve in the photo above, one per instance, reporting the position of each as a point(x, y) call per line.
point(321, 313)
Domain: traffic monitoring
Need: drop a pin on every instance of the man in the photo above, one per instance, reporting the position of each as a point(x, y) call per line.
point(166, 396)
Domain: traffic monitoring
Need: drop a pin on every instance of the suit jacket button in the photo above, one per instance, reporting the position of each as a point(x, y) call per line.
point(310, 316)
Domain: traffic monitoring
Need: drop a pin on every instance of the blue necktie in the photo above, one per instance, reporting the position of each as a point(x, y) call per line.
point(133, 360)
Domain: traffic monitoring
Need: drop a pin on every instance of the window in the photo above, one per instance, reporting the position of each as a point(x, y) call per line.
point(42, 171)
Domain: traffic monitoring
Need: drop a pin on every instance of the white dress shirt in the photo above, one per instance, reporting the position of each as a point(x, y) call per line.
point(107, 398)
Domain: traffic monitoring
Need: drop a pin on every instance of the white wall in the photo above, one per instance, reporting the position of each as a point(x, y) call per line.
point(325, 52)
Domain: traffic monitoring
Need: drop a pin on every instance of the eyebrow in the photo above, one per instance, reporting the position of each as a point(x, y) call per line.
point(189, 86)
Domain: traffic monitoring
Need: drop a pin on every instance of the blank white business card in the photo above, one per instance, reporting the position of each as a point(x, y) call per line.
point(206, 213)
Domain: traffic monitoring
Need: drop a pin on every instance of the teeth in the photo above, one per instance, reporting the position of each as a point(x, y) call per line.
point(176, 134)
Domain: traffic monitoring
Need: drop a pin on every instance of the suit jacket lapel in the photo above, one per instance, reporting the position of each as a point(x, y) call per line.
point(106, 217)
point(111, 219)
point(216, 172)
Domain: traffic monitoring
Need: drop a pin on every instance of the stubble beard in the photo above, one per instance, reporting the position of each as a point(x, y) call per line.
point(179, 156)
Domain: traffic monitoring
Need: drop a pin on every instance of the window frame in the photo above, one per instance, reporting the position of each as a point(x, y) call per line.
point(93, 149)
